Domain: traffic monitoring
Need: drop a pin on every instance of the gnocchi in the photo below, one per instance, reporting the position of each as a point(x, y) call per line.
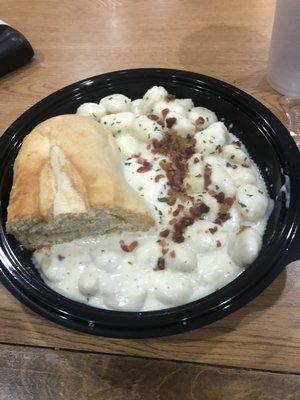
point(221, 180)
point(91, 110)
point(118, 123)
point(201, 117)
point(116, 103)
point(172, 106)
point(88, 283)
point(151, 97)
point(211, 138)
point(128, 145)
point(235, 155)
point(181, 125)
point(245, 246)
point(146, 129)
point(252, 202)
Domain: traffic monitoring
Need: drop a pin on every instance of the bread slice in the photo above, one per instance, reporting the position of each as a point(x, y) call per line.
point(68, 183)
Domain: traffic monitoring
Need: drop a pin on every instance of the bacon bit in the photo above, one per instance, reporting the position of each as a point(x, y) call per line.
point(162, 242)
point(146, 165)
point(148, 146)
point(144, 169)
point(185, 221)
point(164, 233)
point(199, 121)
point(60, 257)
point(143, 161)
point(164, 251)
point(170, 122)
point(242, 229)
point(222, 218)
point(179, 150)
point(172, 254)
point(213, 230)
point(153, 117)
point(173, 221)
point(198, 210)
point(158, 177)
point(237, 143)
point(160, 264)
point(128, 247)
point(170, 97)
point(219, 244)
point(229, 201)
point(176, 212)
point(171, 200)
point(196, 160)
point(207, 176)
point(220, 197)
point(161, 123)
point(165, 112)
point(178, 237)
point(225, 202)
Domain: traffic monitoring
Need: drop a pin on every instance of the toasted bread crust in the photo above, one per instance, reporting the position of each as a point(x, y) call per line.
point(70, 165)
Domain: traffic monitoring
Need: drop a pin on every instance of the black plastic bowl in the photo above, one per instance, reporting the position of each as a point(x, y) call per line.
point(269, 144)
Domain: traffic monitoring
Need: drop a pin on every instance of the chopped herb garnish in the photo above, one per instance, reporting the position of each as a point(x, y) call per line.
point(217, 187)
point(162, 199)
point(232, 157)
point(129, 262)
point(259, 191)
point(250, 195)
point(242, 204)
point(198, 176)
point(160, 212)
point(127, 163)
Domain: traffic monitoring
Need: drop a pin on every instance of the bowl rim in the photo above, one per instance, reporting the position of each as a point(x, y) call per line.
point(233, 295)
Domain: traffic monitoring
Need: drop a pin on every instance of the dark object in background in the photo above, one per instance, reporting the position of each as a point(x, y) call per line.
point(15, 50)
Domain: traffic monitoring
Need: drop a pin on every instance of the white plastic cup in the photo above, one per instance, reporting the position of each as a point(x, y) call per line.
point(284, 57)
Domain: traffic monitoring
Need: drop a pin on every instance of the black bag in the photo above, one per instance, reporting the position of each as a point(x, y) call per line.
point(15, 50)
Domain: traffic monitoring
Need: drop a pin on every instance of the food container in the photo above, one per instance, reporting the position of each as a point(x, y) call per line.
point(270, 146)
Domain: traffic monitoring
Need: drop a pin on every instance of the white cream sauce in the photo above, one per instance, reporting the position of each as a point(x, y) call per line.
point(96, 271)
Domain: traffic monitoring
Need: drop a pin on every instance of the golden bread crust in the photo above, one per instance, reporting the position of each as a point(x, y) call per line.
point(68, 165)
